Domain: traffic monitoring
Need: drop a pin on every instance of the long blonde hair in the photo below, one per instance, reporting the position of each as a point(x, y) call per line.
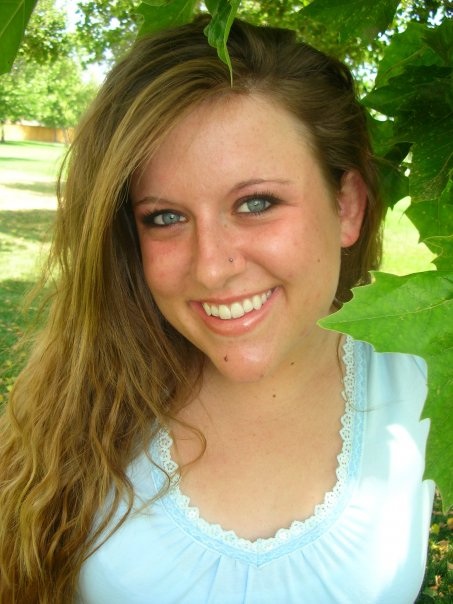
point(106, 367)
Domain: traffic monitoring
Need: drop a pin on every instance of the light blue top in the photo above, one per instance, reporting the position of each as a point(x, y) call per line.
point(366, 543)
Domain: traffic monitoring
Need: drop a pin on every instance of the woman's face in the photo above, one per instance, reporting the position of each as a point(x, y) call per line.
point(240, 234)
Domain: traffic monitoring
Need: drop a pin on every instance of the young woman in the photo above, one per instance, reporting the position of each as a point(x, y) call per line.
point(184, 431)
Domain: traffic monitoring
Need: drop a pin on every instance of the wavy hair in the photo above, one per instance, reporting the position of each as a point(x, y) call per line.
point(107, 368)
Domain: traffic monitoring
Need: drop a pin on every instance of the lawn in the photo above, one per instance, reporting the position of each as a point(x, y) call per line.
point(38, 159)
point(403, 254)
point(27, 212)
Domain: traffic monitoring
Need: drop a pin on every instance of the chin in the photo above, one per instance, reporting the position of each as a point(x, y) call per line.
point(236, 368)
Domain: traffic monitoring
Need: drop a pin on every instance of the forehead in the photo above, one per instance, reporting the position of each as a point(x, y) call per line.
point(234, 118)
point(234, 136)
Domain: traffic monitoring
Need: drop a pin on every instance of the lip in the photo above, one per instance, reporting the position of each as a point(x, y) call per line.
point(240, 325)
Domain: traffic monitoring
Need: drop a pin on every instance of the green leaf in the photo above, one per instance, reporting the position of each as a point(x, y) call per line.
point(434, 221)
point(393, 183)
point(14, 16)
point(352, 19)
point(440, 39)
point(439, 409)
point(157, 2)
point(421, 101)
point(223, 13)
point(426, 89)
point(434, 217)
point(413, 314)
point(432, 158)
point(163, 14)
point(407, 48)
point(401, 314)
point(443, 247)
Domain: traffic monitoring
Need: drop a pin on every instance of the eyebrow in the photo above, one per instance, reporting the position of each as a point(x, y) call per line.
point(150, 199)
point(235, 189)
point(258, 181)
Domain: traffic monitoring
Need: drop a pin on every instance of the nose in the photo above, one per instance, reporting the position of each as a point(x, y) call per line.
point(218, 255)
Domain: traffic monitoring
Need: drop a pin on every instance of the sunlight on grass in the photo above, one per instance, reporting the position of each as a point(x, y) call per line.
point(20, 259)
point(27, 212)
point(28, 158)
point(403, 254)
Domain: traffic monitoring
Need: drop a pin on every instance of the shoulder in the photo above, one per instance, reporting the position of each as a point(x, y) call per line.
point(395, 378)
point(394, 390)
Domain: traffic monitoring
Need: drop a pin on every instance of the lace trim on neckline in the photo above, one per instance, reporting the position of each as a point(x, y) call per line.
point(181, 502)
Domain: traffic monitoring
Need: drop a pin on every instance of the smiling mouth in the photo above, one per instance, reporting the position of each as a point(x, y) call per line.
point(238, 308)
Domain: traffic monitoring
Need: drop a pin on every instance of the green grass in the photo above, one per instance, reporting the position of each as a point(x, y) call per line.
point(41, 159)
point(27, 180)
point(403, 254)
point(25, 237)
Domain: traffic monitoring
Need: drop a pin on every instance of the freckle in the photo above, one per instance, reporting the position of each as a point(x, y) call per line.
point(225, 358)
point(274, 396)
point(293, 363)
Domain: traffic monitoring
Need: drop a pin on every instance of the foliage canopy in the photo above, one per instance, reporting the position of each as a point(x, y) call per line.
point(45, 82)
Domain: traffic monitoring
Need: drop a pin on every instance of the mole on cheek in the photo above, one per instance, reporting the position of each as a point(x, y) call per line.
point(225, 358)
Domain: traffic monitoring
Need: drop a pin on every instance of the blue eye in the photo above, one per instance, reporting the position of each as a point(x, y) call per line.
point(163, 218)
point(256, 204)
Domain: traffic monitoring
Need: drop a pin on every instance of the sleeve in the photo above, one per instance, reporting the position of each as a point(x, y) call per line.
point(393, 489)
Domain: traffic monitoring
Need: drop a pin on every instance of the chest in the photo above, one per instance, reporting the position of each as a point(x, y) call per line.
point(167, 553)
point(256, 486)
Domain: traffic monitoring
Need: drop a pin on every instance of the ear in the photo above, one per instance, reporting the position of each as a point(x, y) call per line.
point(352, 200)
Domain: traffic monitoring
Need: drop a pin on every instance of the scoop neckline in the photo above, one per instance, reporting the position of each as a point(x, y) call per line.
point(179, 507)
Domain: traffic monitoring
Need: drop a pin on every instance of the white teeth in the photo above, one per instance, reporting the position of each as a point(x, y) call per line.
point(224, 312)
point(248, 305)
point(256, 301)
point(237, 309)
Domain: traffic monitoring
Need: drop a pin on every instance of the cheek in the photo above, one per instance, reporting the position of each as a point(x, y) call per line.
point(163, 267)
point(316, 255)
point(305, 244)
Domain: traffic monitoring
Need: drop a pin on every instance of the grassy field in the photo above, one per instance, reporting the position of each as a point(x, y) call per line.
point(27, 212)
